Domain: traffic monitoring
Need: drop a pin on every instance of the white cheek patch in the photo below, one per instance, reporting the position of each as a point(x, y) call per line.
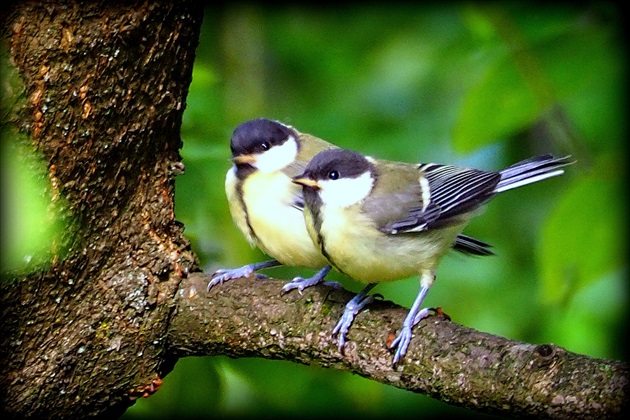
point(345, 191)
point(278, 157)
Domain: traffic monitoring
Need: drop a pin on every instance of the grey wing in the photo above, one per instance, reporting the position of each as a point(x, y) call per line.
point(392, 207)
point(445, 193)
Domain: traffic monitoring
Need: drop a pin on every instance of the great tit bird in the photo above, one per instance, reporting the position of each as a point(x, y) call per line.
point(379, 221)
point(267, 206)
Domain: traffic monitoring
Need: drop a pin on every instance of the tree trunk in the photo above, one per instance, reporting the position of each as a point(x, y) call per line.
point(105, 88)
point(104, 91)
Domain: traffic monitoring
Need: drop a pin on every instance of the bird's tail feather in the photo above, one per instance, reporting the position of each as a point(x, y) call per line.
point(471, 246)
point(531, 170)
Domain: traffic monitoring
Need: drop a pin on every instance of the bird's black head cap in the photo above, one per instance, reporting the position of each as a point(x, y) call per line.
point(259, 135)
point(337, 163)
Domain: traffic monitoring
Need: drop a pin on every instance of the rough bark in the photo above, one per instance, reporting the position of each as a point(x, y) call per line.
point(105, 85)
point(104, 91)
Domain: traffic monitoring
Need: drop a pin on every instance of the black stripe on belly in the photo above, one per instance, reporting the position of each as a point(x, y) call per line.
point(239, 193)
point(315, 206)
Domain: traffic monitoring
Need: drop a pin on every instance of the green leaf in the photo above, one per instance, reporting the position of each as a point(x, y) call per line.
point(581, 240)
point(500, 104)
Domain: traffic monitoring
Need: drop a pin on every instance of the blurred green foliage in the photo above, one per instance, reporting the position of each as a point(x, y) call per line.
point(33, 220)
point(483, 85)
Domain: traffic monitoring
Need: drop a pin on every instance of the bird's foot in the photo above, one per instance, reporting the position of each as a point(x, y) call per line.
point(300, 283)
point(352, 309)
point(401, 342)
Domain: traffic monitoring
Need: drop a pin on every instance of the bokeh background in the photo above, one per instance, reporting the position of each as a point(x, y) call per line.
point(477, 84)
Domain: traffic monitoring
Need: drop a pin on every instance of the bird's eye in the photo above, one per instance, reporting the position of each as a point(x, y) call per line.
point(333, 175)
point(265, 145)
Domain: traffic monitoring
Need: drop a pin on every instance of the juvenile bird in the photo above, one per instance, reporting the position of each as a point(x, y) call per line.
point(379, 221)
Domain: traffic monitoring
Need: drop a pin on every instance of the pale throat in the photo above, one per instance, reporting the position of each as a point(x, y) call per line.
point(345, 192)
point(277, 157)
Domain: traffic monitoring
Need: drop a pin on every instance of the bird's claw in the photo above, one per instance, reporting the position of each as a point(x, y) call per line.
point(401, 342)
point(301, 283)
point(341, 329)
point(223, 275)
point(351, 310)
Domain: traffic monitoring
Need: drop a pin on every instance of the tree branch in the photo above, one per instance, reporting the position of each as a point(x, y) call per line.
point(450, 362)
